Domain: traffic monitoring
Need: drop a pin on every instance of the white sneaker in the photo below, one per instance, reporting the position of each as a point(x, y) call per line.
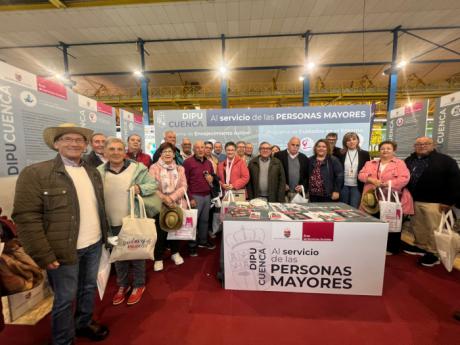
point(178, 260)
point(158, 265)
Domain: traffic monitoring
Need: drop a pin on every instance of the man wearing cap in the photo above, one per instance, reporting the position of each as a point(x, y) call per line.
point(96, 157)
point(61, 221)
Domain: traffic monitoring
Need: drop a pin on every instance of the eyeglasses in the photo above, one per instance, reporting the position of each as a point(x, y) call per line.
point(166, 151)
point(423, 144)
point(265, 148)
point(72, 140)
point(296, 145)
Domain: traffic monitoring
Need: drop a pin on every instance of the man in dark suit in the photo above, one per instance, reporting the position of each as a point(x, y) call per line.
point(295, 166)
point(96, 156)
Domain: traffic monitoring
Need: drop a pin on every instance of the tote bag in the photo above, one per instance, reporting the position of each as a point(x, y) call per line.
point(103, 272)
point(188, 229)
point(391, 211)
point(137, 236)
point(447, 240)
point(300, 198)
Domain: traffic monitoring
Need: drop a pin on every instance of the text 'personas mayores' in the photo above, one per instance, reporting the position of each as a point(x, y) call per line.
point(285, 271)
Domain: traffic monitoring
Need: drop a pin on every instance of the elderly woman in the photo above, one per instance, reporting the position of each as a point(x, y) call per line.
point(377, 174)
point(233, 172)
point(353, 159)
point(172, 186)
point(326, 174)
point(119, 175)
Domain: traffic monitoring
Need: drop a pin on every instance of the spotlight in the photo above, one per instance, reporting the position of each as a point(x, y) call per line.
point(311, 66)
point(301, 78)
point(223, 70)
point(138, 74)
point(402, 64)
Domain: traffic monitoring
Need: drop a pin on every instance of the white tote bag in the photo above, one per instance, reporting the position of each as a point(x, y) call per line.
point(137, 236)
point(447, 240)
point(103, 272)
point(226, 201)
point(188, 229)
point(300, 198)
point(391, 211)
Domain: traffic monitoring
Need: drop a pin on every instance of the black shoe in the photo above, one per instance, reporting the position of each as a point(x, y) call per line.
point(457, 315)
point(429, 260)
point(94, 331)
point(209, 245)
point(192, 252)
point(413, 250)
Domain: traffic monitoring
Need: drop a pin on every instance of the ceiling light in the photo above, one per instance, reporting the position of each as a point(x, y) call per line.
point(301, 78)
point(138, 74)
point(402, 64)
point(223, 70)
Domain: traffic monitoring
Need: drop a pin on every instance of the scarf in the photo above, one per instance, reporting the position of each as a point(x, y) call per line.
point(169, 176)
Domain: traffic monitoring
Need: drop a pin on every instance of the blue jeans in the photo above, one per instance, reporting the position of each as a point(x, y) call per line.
point(69, 282)
point(203, 204)
point(123, 267)
point(350, 195)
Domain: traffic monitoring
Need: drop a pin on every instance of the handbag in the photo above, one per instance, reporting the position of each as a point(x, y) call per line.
point(447, 240)
point(189, 224)
point(300, 198)
point(103, 273)
point(137, 236)
point(391, 211)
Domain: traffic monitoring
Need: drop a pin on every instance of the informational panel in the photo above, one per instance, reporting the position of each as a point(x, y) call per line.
point(150, 145)
point(130, 124)
point(405, 124)
point(446, 125)
point(305, 257)
point(29, 104)
point(275, 125)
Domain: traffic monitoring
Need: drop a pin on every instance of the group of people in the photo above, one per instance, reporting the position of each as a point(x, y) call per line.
point(67, 208)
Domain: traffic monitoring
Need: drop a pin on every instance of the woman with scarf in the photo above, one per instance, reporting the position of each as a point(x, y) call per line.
point(172, 186)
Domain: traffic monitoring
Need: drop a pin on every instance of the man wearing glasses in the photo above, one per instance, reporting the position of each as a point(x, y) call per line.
point(296, 167)
point(267, 178)
point(434, 185)
point(61, 221)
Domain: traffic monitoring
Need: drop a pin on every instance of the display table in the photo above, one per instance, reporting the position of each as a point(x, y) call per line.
point(319, 248)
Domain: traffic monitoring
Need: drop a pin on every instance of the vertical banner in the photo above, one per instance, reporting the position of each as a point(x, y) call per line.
point(150, 145)
point(446, 125)
point(130, 124)
point(405, 124)
point(275, 125)
point(29, 104)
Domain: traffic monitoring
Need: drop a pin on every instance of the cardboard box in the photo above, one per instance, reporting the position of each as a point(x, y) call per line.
point(20, 303)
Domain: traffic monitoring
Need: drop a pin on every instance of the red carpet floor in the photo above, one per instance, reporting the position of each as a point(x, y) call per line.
point(186, 305)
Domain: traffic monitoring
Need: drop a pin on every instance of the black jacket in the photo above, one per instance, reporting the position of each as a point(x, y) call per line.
point(304, 167)
point(363, 157)
point(177, 157)
point(276, 178)
point(92, 159)
point(331, 173)
point(439, 182)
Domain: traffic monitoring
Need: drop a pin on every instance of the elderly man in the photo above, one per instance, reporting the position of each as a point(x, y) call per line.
point(267, 179)
point(434, 185)
point(61, 221)
point(248, 151)
point(199, 173)
point(208, 146)
point(296, 167)
point(96, 157)
point(135, 151)
point(186, 149)
point(170, 137)
point(218, 151)
point(331, 138)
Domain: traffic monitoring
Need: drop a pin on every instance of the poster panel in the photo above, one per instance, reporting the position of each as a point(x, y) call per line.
point(305, 257)
point(275, 125)
point(405, 124)
point(446, 125)
point(131, 123)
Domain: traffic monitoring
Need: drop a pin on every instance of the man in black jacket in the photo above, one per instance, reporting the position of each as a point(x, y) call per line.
point(434, 185)
point(96, 157)
point(295, 165)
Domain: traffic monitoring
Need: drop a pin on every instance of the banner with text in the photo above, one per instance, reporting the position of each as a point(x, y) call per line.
point(313, 257)
point(29, 104)
point(275, 125)
point(405, 124)
point(130, 124)
point(446, 125)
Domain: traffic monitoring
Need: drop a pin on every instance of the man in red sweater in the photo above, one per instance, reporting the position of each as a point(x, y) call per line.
point(135, 151)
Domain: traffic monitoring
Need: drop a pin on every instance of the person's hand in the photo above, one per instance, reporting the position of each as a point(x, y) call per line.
point(298, 188)
point(286, 188)
point(137, 190)
point(226, 186)
point(168, 201)
point(113, 240)
point(335, 196)
point(193, 203)
point(374, 181)
point(53, 265)
point(444, 208)
point(209, 178)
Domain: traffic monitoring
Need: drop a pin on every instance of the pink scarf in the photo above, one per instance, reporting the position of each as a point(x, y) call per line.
point(168, 176)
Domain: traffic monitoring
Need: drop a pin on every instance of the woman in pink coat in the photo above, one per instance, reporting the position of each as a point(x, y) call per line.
point(377, 173)
point(233, 171)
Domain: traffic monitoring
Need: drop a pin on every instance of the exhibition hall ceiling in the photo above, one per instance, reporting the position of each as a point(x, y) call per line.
point(193, 19)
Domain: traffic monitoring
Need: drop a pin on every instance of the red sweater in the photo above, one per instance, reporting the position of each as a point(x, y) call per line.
point(239, 175)
point(141, 158)
point(194, 172)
